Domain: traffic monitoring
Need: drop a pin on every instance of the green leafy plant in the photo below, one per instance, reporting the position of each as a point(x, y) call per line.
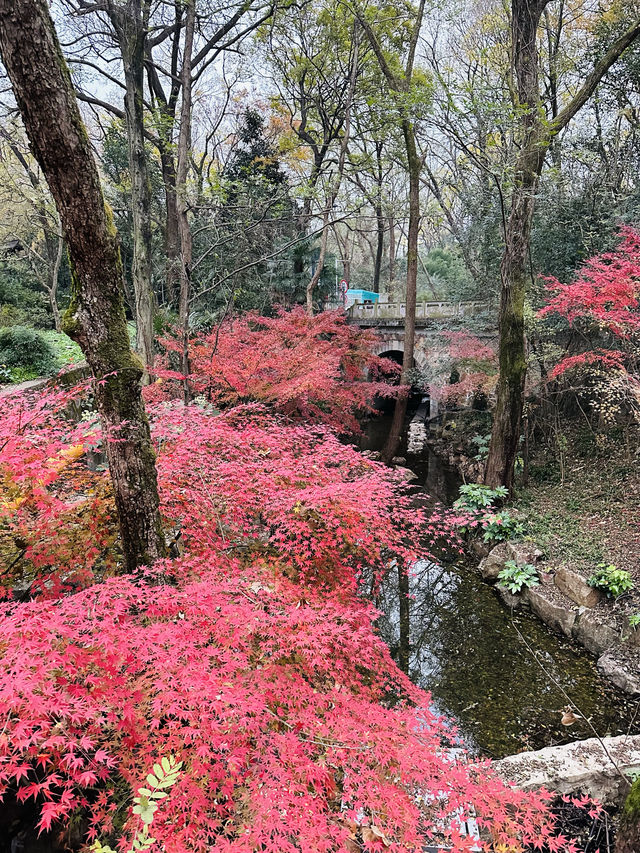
point(634, 620)
point(476, 496)
point(501, 526)
point(515, 577)
point(482, 446)
point(613, 581)
point(164, 776)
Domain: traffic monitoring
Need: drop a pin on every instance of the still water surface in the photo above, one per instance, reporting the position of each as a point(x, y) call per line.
point(472, 653)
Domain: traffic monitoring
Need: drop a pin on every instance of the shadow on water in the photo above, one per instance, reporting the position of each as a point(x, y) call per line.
point(465, 649)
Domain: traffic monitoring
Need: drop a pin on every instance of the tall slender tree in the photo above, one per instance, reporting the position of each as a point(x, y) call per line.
point(129, 23)
point(536, 134)
point(95, 319)
point(400, 75)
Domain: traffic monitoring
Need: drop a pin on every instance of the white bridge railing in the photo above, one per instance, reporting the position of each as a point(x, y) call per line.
point(371, 311)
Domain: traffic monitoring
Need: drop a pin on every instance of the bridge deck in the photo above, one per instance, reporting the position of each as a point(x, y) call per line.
point(393, 313)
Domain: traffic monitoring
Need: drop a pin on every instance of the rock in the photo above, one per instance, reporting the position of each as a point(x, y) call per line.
point(519, 552)
point(575, 586)
point(524, 552)
point(554, 613)
point(375, 455)
point(398, 460)
point(513, 601)
point(595, 635)
point(622, 672)
point(406, 473)
point(493, 564)
point(479, 548)
point(582, 766)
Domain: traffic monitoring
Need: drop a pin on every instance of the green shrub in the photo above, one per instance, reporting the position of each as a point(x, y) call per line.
point(501, 526)
point(475, 496)
point(22, 347)
point(614, 582)
point(514, 577)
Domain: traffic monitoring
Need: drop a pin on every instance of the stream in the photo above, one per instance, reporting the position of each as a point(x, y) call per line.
point(476, 657)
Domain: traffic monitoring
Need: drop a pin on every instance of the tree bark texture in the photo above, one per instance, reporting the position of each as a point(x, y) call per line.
point(184, 229)
point(131, 23)
point(400, 410)
point(505, 435)
point(95, 318)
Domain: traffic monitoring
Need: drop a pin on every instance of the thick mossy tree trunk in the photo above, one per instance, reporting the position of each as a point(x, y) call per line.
point(95, 319)
point(535, 136)
point(512, 356)
point(628, 836)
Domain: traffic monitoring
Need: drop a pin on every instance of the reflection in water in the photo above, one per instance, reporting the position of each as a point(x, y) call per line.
point(465, 649)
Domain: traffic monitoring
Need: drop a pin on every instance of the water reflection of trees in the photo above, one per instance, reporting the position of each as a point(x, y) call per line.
point(464, 649)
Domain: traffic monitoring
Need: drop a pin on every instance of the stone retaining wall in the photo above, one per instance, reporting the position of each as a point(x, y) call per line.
point(568, 605)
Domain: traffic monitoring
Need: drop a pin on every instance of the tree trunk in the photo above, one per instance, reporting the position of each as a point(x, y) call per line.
point(315, 278)
point(512, 357)
point(404, 613)
point(335, 187)
point(184, 229)
point(95, 319)
point(536, 135)
point(377, 267)
point(172, 227)
point(53, 287)
point(131, 23)
point(505, 435)
point(400, 410)
point(628, 836)
point(392, 256)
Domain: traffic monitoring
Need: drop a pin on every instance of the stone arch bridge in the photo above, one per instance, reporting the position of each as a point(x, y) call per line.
point(432, 318)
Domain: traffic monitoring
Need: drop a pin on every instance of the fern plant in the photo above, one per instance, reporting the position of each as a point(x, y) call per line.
point(164, 776)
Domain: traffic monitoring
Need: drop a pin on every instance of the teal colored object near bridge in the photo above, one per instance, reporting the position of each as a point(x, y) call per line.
point(362, 296)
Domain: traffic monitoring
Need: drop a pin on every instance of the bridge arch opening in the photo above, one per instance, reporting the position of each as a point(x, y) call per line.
point(395, 355)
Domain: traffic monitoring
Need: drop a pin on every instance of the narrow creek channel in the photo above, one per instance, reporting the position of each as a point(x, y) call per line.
point(471, 652)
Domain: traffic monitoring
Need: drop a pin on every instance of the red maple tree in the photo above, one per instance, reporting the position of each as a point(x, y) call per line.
point(252, 657)
point(315, 369)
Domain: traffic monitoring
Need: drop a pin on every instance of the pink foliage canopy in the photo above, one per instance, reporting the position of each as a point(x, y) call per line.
point(252, 657)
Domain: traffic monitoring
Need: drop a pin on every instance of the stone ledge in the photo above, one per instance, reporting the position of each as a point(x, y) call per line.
point(582, 766)
point(562, 614)
point(575, 587)
point(624, 673)
point(553, 613)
